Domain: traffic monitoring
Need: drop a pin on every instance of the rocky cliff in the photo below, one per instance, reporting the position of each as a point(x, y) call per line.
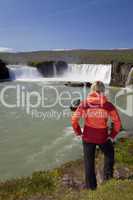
point(4, 72)
point(51, 68)
point(120, 74)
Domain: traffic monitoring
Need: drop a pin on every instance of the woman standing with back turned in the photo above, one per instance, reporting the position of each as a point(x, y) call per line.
point(96, 111)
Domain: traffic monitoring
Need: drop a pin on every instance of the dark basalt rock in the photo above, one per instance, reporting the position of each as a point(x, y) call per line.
point(77, 84)
point(120, 73)
point(130, 78)
point(4, 72)
point(61, 67)
point(52, 68)
point(46, 68)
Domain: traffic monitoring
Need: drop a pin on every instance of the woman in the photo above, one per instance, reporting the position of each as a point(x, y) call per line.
point(96, 110)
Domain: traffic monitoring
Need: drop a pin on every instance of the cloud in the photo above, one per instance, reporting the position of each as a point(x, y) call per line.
point(6, 49)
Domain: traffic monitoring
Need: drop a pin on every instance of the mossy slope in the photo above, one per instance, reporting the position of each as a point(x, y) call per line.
point(50, 185)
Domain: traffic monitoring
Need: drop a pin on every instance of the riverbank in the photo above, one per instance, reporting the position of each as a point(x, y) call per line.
point(74, 56)
point(65, 182)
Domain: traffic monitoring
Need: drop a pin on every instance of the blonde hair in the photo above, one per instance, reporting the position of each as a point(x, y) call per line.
point(98, 86)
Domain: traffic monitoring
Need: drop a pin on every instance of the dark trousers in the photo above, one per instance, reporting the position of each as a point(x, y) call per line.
point(89, 161)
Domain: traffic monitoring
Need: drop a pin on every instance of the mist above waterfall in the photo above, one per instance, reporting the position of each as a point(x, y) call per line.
point(22, 72)
point(89, 72)
point(74, 73)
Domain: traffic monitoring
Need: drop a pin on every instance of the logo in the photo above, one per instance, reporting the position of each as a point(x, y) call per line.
point(124, 98)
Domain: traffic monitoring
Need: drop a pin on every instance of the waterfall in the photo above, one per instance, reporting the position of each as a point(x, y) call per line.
point(54, 70)
point(89, 72)
point(73, 73)
point(21, 72)
point(130, 78)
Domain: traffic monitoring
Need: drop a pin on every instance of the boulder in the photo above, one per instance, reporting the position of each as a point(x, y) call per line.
point(72, 182)
point(4, 72)
point(123, 173)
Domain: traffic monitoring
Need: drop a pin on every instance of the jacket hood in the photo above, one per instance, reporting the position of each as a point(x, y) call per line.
point(96, 98)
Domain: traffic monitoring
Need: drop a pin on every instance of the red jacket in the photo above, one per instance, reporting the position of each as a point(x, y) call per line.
point(96, 111)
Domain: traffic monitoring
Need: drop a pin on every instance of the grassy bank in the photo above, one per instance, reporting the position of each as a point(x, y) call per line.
point(71, 56)
point(65, 182)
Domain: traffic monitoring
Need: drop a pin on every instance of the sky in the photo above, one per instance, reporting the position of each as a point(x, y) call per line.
point(31, 25)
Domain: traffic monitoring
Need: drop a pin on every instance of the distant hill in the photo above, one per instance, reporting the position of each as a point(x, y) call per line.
point(71, 56)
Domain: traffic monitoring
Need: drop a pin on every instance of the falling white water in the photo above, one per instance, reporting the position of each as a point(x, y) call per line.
point(54, 70)
point(21, 72)
point(89, 72)
point(74, 73)
point(129, 81)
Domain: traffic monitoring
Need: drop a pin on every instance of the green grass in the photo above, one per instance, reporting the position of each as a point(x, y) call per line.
point(113, 190)
point(76, 56)
point(39, 183)
point(47, 185)
point(124, 151)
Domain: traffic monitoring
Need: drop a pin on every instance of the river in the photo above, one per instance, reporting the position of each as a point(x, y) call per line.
point(38, 135)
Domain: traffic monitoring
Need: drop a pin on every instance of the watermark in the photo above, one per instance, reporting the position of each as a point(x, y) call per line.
point(53, 102)
point(50, 114)
point(44, 98)
point(124, 98)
